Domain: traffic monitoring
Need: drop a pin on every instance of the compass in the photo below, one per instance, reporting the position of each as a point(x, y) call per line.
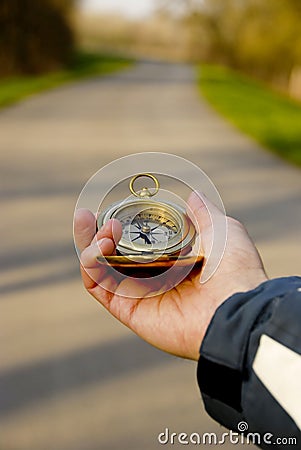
point(153, 232)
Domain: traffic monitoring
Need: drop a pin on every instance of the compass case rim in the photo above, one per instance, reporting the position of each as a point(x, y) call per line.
point(182, 240)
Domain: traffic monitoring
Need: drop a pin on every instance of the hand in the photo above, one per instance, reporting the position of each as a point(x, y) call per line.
point(175, 321)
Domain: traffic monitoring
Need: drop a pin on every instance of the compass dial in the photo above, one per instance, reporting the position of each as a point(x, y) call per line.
point(150, 228)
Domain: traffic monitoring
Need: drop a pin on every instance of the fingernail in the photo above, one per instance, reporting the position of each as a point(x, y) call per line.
point(101, 241)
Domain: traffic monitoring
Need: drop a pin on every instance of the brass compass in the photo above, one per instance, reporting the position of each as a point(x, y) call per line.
point(154, 233)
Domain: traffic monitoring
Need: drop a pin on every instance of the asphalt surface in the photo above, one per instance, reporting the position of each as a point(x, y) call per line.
point(71, 377)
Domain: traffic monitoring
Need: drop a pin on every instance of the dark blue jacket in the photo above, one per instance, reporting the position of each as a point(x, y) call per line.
point(249, 370)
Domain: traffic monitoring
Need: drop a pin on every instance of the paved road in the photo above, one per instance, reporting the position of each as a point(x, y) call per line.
point(71, 377)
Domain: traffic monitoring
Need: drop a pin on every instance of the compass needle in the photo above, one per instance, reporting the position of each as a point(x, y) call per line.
point(155, 227)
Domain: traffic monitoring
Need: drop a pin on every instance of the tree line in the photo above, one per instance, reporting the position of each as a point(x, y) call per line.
point(261, 38)
point(35, 36)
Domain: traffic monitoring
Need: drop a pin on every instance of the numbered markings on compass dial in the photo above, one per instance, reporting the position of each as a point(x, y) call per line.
point(149, 228)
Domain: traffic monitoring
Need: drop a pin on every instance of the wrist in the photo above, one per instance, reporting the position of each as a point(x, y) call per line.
point(244, 283)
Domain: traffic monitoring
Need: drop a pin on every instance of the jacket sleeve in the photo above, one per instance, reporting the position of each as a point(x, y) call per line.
point(250, 363)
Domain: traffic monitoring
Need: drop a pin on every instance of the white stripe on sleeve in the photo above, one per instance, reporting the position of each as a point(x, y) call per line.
point(279, 369)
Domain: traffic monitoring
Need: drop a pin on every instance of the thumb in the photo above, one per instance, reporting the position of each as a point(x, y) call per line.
point(203, 211)
point(211, 224)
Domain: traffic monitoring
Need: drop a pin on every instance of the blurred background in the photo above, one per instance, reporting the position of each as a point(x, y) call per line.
point(85, 82)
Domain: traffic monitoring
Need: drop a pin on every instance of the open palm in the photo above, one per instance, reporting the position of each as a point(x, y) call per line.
point(174, 321)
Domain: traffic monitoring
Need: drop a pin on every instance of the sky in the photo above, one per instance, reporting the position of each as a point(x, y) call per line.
point(131, 8)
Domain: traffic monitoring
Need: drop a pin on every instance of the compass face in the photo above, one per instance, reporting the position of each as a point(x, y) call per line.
point(150, 228)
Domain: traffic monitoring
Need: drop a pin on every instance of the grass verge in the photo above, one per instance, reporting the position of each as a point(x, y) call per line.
point(271, 118)
point(83, 65)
